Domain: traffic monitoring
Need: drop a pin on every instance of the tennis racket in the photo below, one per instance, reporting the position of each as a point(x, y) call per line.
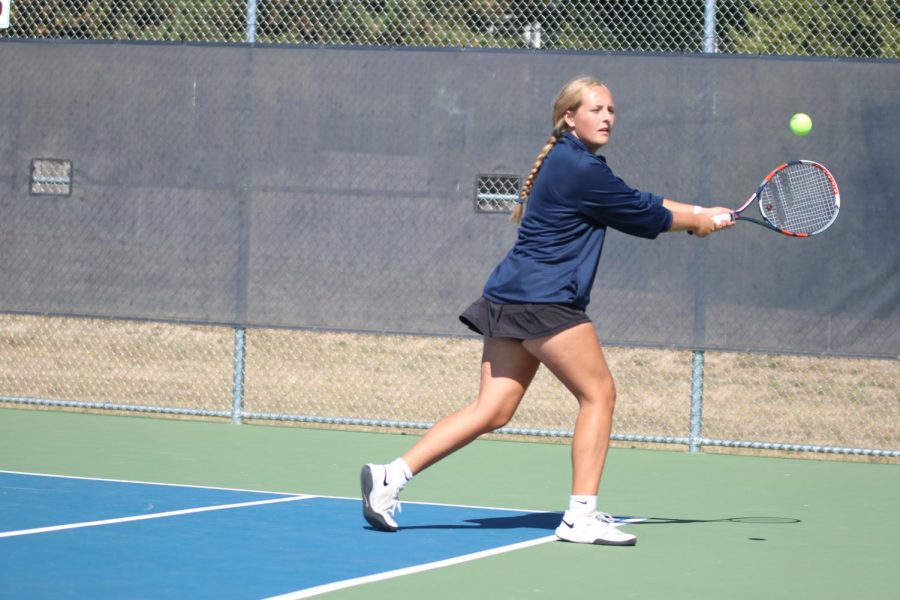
point(799, 198)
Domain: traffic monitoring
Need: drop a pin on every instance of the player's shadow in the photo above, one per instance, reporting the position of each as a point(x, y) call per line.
point(550, 520)
point(758, 520)
point(547, 521)
point(528, 521)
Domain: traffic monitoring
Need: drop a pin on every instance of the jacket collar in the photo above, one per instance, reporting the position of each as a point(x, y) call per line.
point(579, 144)
point(571, 137)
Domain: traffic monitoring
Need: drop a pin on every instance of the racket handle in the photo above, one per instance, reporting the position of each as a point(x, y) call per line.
point(723, 218)
point(719, 219)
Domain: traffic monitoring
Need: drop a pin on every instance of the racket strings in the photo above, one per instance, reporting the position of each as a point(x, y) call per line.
point(800, 198)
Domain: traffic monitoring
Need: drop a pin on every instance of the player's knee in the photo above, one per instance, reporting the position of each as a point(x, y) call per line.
point(609, 394)
point(500, 419)
point(491, 420)
point(602, 396)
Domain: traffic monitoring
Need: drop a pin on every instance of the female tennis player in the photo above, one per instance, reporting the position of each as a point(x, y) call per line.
point(532, 311)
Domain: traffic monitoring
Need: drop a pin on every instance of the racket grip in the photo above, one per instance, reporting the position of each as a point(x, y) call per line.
point(719, 219)
point(723, 218)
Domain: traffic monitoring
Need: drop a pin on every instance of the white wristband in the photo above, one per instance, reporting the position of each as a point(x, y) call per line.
point(697, 209)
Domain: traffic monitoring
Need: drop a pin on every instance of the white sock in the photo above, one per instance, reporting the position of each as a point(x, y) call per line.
point(399, 471)
point(582, 505)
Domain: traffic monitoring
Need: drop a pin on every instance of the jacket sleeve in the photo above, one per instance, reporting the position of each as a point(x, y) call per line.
point(607, 199)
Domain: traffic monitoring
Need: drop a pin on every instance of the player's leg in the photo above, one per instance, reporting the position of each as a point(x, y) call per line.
point(575, 357)
point(506, 371)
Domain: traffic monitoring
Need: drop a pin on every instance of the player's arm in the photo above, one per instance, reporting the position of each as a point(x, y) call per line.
point(694, 218)
point(608, 199)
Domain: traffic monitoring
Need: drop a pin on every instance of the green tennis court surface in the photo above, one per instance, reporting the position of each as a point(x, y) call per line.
point(718, 526)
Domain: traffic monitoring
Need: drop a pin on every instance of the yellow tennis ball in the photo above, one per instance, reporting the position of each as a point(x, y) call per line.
point(801, 124)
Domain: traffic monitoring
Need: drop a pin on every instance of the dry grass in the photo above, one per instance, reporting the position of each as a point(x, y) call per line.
point(775, 398)
point(118, 362)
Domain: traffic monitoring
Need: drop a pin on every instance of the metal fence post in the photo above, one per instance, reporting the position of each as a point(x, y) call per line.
point(709, 27)
point(237, 388)
point(696, 439)
point(251, 21)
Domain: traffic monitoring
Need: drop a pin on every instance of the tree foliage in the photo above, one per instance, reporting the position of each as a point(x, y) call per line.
point(177, 20)
point(868, 28)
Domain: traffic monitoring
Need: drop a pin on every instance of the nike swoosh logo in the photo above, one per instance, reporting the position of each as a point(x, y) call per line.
point(385, 478)
point(581, 501)
point(569, 525)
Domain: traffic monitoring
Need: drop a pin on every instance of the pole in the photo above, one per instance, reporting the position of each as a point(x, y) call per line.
point(251, 21)
point(709, 27)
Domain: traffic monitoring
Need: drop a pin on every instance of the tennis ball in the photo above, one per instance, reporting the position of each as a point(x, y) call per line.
point(801, 124)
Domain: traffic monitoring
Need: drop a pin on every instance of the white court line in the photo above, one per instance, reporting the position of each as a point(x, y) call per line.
point(338, 585)
point(476, 506)
point(173, 513)
point(181, 485)
point(620, 519)
point(206, 487)
point(624, 520)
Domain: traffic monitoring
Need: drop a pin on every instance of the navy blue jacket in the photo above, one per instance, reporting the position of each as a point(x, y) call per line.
point(575, 197)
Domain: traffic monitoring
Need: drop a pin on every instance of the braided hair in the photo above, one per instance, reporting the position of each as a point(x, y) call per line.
point(568, 99)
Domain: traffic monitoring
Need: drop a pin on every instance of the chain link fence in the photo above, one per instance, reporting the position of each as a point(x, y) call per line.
point(355, 380)
point(850, 28)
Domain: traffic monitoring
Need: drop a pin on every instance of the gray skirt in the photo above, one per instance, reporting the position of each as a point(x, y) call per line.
point(520, 321)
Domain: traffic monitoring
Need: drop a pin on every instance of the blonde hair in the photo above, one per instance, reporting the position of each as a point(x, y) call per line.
point(569, 98)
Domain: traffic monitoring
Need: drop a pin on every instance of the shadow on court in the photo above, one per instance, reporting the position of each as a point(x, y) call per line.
point(548, 521)
point(745, 520)
point(538, 521)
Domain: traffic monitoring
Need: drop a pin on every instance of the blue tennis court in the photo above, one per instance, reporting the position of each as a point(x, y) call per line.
point(65, 537)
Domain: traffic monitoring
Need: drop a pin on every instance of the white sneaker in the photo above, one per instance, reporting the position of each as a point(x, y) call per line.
point(379, 497)
point(593, 528)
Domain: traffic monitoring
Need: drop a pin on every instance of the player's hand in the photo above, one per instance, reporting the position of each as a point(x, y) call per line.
point(717, 213)
point(704, 225)
point(704, 221)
